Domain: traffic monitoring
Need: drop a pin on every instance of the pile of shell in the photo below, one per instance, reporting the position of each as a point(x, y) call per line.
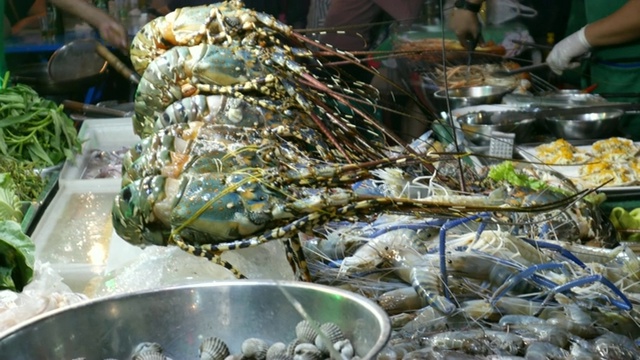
point(311, 343)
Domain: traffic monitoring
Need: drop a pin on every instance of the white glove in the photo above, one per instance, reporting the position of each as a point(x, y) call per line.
point(563, 55)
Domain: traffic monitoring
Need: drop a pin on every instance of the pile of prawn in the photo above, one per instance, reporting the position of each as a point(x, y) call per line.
point(499, 295)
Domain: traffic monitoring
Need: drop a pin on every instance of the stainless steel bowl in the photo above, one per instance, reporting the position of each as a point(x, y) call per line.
point(470, 95)
point(478, 127)
point(596, 125)
point(179, 318)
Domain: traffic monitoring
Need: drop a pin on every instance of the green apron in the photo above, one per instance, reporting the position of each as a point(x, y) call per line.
point(615, 69)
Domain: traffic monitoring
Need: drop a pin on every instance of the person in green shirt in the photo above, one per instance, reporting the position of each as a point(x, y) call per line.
point(609, 31)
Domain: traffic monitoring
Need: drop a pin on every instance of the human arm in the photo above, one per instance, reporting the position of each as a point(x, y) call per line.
point(465, 23)
point(32, 20)
point(618, 28)
point(108, 27)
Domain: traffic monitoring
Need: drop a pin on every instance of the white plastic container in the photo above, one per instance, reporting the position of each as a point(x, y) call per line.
point(103, 134)
point(75, 234)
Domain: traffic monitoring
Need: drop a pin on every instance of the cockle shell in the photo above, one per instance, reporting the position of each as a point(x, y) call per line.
point(345, 348)
point(234, 357)
point(306, 351)
point(213, 348)
point(291, 348)
point(333, 334)
point(276, 351)
point(149, 355)
point(146, 347)
point(305, 332)
point(254, 348)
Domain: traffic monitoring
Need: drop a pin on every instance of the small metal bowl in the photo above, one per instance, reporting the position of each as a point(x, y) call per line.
point(478, 128)
point(470, 95)
point(179, 318)
point(596, 125)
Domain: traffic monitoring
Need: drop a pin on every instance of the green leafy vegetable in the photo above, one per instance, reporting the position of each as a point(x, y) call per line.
point(505, 171)
point(9, 201)
point(27, 183)
point(35, 129)
point(17, 257)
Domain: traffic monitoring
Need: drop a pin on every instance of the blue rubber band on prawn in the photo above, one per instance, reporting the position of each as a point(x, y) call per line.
point(420, 226)
point(624, 303)
point(526, 273)
point(540, 280)
point(557, 248)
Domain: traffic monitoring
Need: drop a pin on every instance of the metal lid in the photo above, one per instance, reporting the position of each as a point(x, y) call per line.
point(76, 60)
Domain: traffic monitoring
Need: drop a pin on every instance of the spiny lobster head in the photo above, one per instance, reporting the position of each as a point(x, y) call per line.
point(225, 66)
point(132, 213)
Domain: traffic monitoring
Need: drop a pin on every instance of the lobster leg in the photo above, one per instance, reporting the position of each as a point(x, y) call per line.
point(297, 259)
point(209, 255)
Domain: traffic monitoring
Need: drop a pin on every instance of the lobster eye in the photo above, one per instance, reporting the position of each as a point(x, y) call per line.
point(126, 194)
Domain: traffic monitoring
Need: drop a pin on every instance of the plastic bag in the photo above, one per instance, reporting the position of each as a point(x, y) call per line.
point(46, 292)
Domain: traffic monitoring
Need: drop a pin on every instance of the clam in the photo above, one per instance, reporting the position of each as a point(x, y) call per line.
point(213, 348)
point(146, 347)
point(330, 333)
point(149, 355)
point(276, 351)
point(307, 351)
point(291, 348)
point(254, 348)
point(306, 332)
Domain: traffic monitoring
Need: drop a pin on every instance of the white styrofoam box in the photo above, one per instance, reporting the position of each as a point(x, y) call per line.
point(103, 134)
point(75, 234)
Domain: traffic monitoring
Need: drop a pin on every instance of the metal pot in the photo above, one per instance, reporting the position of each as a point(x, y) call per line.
point(37, 76)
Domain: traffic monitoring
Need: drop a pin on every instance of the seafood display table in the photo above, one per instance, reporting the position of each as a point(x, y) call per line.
point(452, 250)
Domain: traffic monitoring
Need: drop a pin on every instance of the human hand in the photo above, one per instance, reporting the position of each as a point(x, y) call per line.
point(466, 25)
point(563, 55)
point(114, 33)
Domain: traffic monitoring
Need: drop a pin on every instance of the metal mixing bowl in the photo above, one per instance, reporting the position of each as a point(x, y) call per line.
point(596, 125)
point(470, 95)
point(478, 127)
point(179, 318)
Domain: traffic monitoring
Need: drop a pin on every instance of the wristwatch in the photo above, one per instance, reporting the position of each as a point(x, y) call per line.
point(466, 5)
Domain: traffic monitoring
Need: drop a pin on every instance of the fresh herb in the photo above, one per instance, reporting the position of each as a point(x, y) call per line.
point(16, 248)
point(10, 205)
point(35, 129)
point(505, 171)
point(17, 256)
point(28, 184)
